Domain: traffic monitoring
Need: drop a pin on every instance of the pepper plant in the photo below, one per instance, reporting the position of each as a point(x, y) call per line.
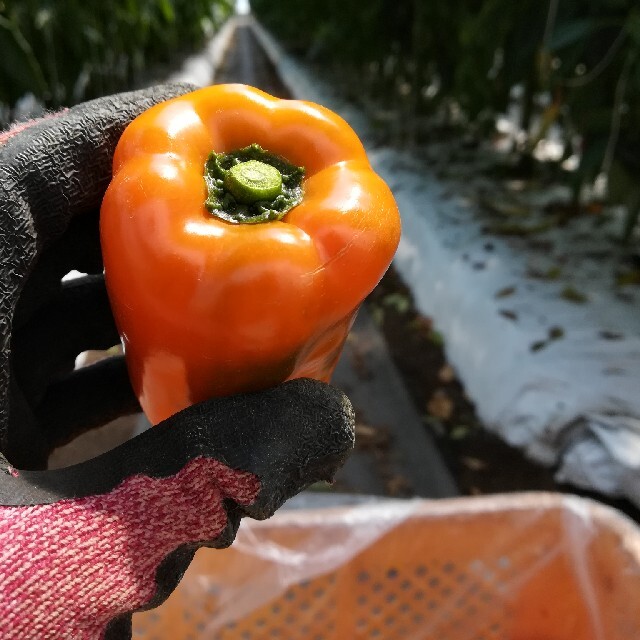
point(66, 51)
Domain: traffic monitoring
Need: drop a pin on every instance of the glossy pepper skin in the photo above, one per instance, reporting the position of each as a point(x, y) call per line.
point(210, 308)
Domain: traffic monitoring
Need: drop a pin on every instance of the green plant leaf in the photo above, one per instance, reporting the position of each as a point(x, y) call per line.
point(168, 13)
point(19, 62)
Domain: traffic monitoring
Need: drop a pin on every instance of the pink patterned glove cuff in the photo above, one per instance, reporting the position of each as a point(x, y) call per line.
point(68, 568)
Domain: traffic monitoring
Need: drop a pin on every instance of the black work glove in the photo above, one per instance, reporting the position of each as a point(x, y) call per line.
point(84, 547)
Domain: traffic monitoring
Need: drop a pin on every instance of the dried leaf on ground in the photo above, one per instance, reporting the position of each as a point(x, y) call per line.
point(447, 373)
point(628, 278)
point(369, 437)
point(552, 273)
point(556, 333)
point(473, 463)
point(398, 486)
point(508, 314)
point(571, 294)
point(422, 325)
point(611, 335)
point(440, 405)
point(538, 345)
point(505, 292)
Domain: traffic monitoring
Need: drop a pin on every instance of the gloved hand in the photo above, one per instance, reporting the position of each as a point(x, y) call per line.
point(81, 548)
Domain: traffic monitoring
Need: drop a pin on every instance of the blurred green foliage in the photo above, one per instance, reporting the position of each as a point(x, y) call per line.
point(574, 62)
point(66, 51)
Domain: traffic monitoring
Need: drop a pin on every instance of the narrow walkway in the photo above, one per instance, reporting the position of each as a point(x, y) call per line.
point(246, 62)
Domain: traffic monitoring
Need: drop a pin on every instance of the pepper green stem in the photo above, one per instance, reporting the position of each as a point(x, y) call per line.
point(251, 185)
point(253, 181)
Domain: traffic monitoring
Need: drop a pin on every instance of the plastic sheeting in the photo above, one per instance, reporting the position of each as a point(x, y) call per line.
point(571, 402)
point(519, 567)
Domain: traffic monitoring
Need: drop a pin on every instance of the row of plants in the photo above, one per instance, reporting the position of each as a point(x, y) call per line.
point(66, 51)
point(573, 65)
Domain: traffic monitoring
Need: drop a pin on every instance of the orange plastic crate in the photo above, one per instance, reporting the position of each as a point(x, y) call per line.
point(517, 567)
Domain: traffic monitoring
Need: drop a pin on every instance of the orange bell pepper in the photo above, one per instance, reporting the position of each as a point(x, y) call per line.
point(249, 274)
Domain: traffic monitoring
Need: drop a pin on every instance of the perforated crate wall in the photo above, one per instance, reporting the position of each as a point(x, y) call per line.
point(523, 567)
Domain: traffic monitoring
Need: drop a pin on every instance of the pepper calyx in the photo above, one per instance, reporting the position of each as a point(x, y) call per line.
point(251, 185)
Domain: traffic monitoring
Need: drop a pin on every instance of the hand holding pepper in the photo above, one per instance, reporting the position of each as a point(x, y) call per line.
point(85, 546)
